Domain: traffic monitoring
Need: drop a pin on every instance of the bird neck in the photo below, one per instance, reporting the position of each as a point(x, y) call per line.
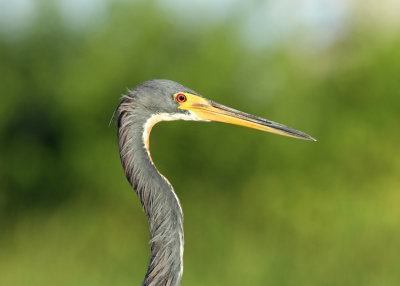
point(157, 196)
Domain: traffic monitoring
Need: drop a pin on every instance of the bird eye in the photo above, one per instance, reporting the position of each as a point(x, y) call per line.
point(180, 97)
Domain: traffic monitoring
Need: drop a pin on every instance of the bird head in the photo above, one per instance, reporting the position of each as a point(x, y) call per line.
point(167, 100)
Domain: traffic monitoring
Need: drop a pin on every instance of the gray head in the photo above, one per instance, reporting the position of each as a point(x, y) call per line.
point(160, 96)
point(168, 100)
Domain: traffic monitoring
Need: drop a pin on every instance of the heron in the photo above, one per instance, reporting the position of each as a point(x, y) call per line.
point(139, 110)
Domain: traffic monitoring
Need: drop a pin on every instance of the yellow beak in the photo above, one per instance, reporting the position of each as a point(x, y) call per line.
point(208, 110)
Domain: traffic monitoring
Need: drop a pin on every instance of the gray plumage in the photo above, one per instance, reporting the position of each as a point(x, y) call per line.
point(155, 192)
point(144, 106)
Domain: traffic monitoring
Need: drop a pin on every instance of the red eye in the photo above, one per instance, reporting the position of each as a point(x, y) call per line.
point(180, 97)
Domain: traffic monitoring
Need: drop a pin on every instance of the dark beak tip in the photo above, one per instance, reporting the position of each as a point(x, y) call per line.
point(305, 136)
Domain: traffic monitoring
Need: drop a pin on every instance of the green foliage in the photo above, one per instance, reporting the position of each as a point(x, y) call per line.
point(259, 209)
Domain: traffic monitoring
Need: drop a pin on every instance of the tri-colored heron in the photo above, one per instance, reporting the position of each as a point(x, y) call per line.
point(164, 100)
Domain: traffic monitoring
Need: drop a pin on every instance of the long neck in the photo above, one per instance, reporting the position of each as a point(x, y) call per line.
point(157, 196)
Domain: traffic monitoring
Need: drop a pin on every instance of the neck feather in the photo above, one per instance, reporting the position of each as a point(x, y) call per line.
point(156, 194)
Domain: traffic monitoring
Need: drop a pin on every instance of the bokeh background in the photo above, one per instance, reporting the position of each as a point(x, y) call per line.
point(260, 209)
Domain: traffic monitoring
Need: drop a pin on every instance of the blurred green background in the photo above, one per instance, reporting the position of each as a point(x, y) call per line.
point(260, 209)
